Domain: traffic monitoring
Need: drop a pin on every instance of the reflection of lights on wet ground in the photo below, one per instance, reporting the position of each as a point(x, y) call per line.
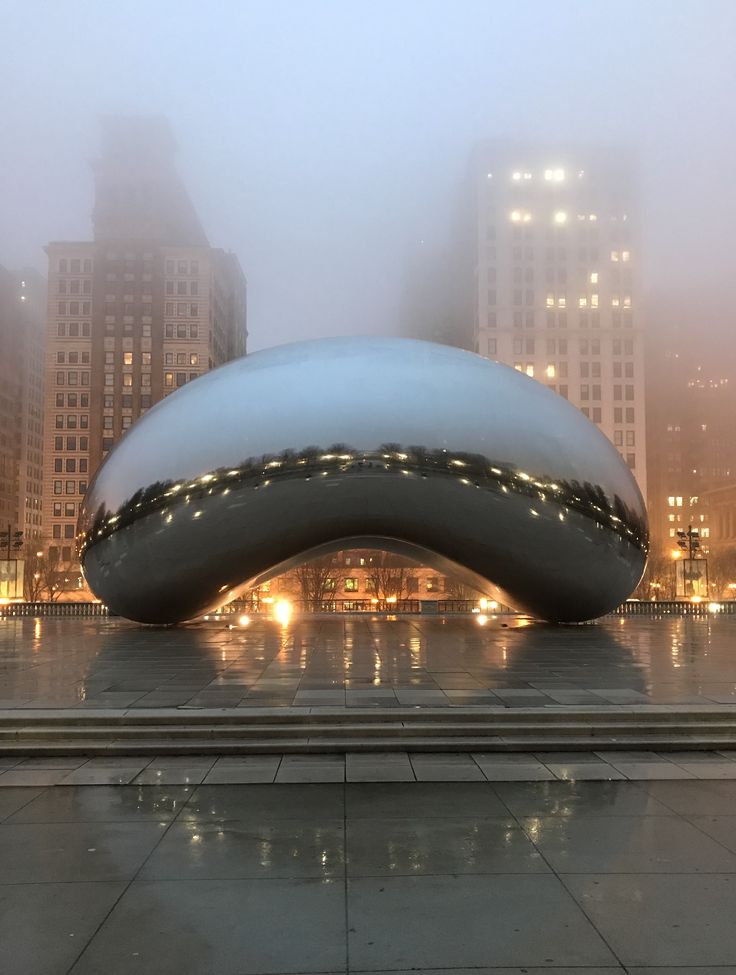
point(243, 620)
point(481, 619)
point(282, 612)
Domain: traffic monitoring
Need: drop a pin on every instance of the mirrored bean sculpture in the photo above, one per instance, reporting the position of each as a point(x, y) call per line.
point(421, 449)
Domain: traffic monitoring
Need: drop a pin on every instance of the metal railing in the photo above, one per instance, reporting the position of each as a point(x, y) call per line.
point(40, 608)
point(675, 607)
point(419, 607)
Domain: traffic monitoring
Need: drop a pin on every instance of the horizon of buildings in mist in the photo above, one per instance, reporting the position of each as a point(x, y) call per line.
point(541, 270)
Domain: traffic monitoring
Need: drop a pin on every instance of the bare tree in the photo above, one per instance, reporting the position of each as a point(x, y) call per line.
point(658, 581)
point(33, 585)
point(389, 576)
point(318, 581)
point(722, 572)
point(51, 573)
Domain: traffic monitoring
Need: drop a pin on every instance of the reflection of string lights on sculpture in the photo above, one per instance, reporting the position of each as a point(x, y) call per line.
point(417, 448)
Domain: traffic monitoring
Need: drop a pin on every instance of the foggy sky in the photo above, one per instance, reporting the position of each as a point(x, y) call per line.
point(323, 141)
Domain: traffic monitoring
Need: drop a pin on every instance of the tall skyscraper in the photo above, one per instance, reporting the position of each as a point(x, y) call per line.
point(555, 259)
point(692, 446)
point(142, 309)
point(22, 313)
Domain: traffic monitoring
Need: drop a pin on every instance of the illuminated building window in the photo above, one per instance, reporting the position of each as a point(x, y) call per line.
point(625, 256)
point(351, 584)
point(561, 302)
point(615, 256)
point(530, 369)
point(594, 277)
point(127, 358)
point(551, 372)
point(168, 379)
point(550, 301)
point(582, 302)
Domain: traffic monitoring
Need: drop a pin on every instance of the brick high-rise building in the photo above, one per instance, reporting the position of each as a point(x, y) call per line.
point(555, 258)
point(22, 312)
point(142, 309)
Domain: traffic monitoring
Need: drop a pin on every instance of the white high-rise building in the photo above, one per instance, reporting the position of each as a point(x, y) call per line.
point(555, 261)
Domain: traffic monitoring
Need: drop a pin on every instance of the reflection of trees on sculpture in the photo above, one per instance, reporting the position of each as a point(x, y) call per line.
point(585, 498)
point(318, 581)
point(389, 576)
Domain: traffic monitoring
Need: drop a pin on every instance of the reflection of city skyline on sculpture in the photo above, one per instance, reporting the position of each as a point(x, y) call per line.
point(501, 481)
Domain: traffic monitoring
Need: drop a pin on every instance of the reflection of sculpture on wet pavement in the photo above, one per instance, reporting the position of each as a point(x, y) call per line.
point(416, 448)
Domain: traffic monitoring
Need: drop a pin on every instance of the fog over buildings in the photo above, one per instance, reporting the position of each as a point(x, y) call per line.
point(327, 143)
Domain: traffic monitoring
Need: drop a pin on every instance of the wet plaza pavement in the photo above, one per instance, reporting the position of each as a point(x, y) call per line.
point(587, 876)
point(361, 662)
point(372, 862)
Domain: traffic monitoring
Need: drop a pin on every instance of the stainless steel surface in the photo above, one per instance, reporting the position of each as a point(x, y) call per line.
point(419, 448)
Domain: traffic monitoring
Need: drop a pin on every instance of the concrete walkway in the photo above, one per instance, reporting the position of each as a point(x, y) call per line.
point(584, 877)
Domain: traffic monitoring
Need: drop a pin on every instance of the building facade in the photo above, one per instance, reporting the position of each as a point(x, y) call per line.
point(144, 308)
point(692, 447)
point(22, 314)
point(555, 292)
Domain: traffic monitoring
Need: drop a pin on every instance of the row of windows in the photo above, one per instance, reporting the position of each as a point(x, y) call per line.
point(181, 288)
point(126, 401)
point(182, 358)
point(181, 309)
point(72, 378)
point(66, 553)
point(182, 331)
point(145, 379)
point(70, 443)
point(182, 267)
point(70, 509)
point(70, 421)
point(73, 329)
point(72, 400)
point(630, 436)
point(70, 487)
point(559, 319)
point(69, 531)
point(181, 378)
point(73, 358)
point(75, 266)
point(70, 465)
point(127, 358)
point(552, 274)
point(128, 308)
point(74, 307)
point(74, 287)
point(352, 584)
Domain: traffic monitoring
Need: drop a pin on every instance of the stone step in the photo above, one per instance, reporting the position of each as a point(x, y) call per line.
point(245, 730)
point(203, 746)
point(643, 714)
